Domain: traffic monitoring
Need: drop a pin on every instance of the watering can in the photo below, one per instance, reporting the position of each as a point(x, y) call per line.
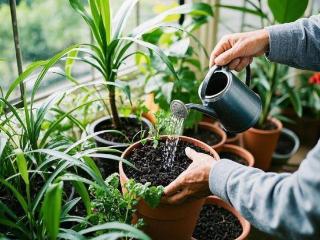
point(225, 98)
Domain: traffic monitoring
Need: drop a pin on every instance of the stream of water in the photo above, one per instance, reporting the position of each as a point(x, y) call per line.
point(174, 129)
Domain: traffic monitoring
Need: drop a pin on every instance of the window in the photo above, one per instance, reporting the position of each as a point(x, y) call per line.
point(46, 27)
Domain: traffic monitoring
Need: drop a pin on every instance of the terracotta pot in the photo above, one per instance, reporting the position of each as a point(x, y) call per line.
point(168, 221)
point(244, 223)
point(218, 131)
point(235, 139)
point(262, 143)
point(307, 128)
point(239, 151)
point(208, 119)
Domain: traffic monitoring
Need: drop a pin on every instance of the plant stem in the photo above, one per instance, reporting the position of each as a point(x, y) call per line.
point(114, 110)
point(17, 44)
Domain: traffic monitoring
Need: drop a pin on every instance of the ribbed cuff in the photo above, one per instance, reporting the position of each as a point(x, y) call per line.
point(282, 43)
point(219, 175)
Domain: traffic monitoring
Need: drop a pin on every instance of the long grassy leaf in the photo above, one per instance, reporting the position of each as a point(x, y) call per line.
point(22, 165)
point(201, 9)
point(156, 50)
point(117, 226)
point(122, 16)
point(243, 9)
point(83, 192)
point(52, 209)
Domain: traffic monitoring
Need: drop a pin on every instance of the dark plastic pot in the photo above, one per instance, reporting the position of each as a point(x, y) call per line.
point(289, 140)
point(110, 166)
point(121, 146)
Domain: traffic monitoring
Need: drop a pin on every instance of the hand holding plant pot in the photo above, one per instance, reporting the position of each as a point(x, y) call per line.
point(193, 181)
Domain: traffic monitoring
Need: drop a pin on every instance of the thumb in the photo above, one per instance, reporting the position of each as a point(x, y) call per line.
point(192, 154)
point(227, 56)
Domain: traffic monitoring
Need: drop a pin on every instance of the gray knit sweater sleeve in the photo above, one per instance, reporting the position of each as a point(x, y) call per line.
point(296, 44)
point(286, 205)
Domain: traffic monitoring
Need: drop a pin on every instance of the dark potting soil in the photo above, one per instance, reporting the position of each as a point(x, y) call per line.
point(233, 157)
point(216, 223)
point(204, 135)
point(132, 131)
point(152, 161)
point(285, 144)
point(267, 126)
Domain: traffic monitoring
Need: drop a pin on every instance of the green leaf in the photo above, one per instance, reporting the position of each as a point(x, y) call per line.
point(294, 98)
point(156, 50)
point(52, 209)
point(179, 48)
point(106, 18)
point(243, 9)
point(122, 16)
point(70, 61)
point(167, 90)
point(287, 10)
point(117, 226)
point(197, 9)
point(22, 165)
point(82, 191)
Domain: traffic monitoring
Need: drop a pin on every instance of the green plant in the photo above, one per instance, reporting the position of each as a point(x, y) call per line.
point(38, 162)
point(308, 90)
point(269, 78)
point(112, 43)
point(177, 42)
point(109, 204)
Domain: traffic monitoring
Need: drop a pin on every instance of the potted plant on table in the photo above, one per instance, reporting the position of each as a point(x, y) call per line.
point(112, 46)
point(268, 79)
point(219, 220)
point(159, 160)
point(308, 89)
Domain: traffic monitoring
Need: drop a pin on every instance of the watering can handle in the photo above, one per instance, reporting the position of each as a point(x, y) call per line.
point(212, 70)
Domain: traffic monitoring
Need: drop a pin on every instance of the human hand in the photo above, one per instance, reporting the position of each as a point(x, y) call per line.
point(237, 50)
point(193, 182)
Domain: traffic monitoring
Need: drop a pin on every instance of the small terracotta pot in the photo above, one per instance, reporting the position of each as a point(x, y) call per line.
point(244, 223)
point(168, 221)
point(239, 151)
point(262, 143)
point(235, 140)
point(212, 128)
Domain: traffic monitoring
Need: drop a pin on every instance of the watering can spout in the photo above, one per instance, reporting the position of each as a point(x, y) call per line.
point(181, 110)
point(203, 109)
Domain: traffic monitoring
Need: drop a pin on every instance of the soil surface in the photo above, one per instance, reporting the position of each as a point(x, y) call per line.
point(233, 157)
point(216, 223)
point(285, 144)
point(204, 135)
point(267, 126)
point(132, 131)
point(152, 163)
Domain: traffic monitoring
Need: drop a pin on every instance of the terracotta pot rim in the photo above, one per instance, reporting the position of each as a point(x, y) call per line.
point(245, 154)
point(213, 128)
point(277, 122)
point(187, 139)
point(246, 226)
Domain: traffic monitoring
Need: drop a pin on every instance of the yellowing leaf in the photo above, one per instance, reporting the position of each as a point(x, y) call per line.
point(159, 8)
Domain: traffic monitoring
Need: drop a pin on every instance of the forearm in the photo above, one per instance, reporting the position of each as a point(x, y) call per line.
point(286, 205)
point(296, 44)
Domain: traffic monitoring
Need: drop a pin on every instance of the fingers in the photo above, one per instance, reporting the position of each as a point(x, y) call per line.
point(174, 186)
point(227, 56)
point(234, 63)
point(222, 46)
point(192, 154)
point(179, 197)
point(240, 63)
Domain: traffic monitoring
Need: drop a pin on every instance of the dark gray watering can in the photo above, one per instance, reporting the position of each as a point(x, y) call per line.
point(225, 98)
